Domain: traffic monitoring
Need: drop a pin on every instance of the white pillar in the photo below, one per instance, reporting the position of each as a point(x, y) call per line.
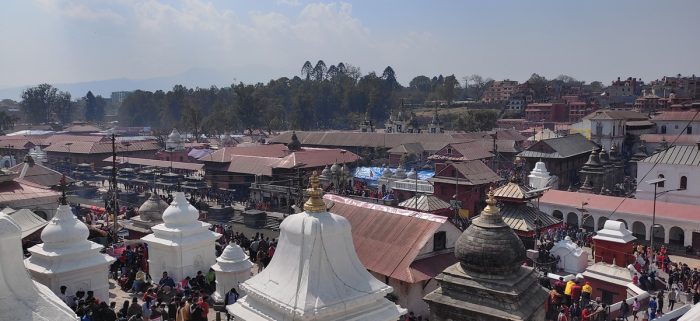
point(231, 268)
point(687, 237)
point(667, 234)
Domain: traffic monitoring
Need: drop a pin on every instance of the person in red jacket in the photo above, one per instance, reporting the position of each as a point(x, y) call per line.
point(585, 314)
point(576, 291)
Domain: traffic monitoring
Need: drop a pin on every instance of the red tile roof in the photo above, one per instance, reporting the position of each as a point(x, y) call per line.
point(86, 147)
point(64, 138)
point(21, 190)
point(607, 204)
point(388, 239)
point(678, 115)
point(156, 163)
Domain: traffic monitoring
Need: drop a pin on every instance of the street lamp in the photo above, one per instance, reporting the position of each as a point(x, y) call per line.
point(656, 183)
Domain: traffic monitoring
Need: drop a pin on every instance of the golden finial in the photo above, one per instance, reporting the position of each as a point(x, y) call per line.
point(315, 202)
point(490, 203)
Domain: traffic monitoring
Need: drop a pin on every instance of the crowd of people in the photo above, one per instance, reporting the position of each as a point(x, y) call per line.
point(571, 301)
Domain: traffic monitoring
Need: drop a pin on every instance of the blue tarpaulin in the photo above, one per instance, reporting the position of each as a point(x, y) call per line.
point(371, 175)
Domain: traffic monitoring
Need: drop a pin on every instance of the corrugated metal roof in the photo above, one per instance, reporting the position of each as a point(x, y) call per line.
point(688, 155)
point(524, 218)
point(360, 139)
point(83, 147)
point(39, 174)
point(512, 191)
point(616, 114)
point(473, 173)
point(425, 203)
point(677, 140)
point(471, 150)
point(561, 147)
point(387, 239)
point(27, 221)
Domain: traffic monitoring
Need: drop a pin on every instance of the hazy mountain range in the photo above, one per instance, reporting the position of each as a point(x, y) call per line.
point(196, 77)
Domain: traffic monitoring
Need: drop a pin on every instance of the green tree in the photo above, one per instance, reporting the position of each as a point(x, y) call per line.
point(477, 120)
point(90, 106)
point(41, 102)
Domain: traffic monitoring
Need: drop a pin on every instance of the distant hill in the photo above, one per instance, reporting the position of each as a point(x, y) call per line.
point(196, 77)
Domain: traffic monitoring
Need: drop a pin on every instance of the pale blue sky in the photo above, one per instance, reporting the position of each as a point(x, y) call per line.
point(64, 41)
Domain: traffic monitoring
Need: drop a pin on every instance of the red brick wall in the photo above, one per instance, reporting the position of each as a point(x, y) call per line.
point(606, 251)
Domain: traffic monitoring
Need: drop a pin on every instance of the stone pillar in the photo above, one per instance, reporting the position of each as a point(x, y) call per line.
point(687, 237)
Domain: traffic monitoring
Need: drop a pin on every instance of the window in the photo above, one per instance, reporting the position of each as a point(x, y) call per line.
point(661, 184)
point(663, 129)
point(449, 151)
point(684, 182)
point(439, 241)
point(689, 130)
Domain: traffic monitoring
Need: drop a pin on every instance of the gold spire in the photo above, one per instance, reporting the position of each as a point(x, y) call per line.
point(491, 207)
point(315, 202)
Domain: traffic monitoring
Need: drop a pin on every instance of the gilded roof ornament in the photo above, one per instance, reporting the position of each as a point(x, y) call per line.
point(315, 202)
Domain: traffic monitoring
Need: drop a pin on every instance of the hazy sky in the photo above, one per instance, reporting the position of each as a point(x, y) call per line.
point(64, 41)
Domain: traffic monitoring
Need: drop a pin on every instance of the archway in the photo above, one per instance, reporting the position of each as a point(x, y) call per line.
point(558, 214)
point(623, 223)
point(572, 219)
point(42, 214)
point(601, 222)
point(639, 231)
point(676, 236)
point(659, 233)
point(588, 223)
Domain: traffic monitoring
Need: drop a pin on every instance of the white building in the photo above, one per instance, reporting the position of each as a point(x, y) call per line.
point(232, 268)
point(315, 274)
point(540, 178)
point(21, 298)
point(680, 166)
point(67, 257)
point(608, 127)
point(676, 122)
point(181, 245)
point(677, 223)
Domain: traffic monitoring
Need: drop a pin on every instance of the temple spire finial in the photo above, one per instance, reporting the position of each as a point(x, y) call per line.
point(491, 203)
point(63, 200)
point(315, 202)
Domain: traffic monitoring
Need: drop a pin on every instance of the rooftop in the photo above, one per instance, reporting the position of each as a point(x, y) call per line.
point(560, 147)
point(688, 155)
point(608, 204)
point(616, 114)
point(388, 239)
point(473, 172)
point(678, 116)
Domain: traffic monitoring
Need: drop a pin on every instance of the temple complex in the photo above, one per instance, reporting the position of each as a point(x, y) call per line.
point(489, 282)
point(181, 245)
point(21, 298)
point(315, 274)
point(67, 257)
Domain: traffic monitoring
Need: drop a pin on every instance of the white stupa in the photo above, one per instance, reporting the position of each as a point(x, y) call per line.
point(231, 268)
point(540, 178)
point(315, 274)
point(181, 245)
point(37, 154)
point(572, 258)
point(67, 257)
point(21, 298)
point(174, 141)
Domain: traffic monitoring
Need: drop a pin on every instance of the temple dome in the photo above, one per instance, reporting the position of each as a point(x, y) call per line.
point(174, 136)
point(233, 257)
point(64, 229)
point(152, 208)
point(411, 174)
point(489, 246)
point(180, 212)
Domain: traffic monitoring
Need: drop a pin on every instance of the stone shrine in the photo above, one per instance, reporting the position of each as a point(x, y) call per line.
point(21, 298)
point(489, 282)
point(315, 274)
point(67, 257)
point(181, 245)
point(150, 214)
point(231, 268)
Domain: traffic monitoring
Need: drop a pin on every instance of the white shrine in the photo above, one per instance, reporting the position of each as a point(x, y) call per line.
point(21, 298)
point(540, 178)
point(572, 258)
point(231, 268)
point(315, 274)
point(174, 141)
point(67, 257)
point(181, 245)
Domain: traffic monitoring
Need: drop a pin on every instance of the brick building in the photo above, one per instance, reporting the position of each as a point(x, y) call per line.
point(547, 112)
